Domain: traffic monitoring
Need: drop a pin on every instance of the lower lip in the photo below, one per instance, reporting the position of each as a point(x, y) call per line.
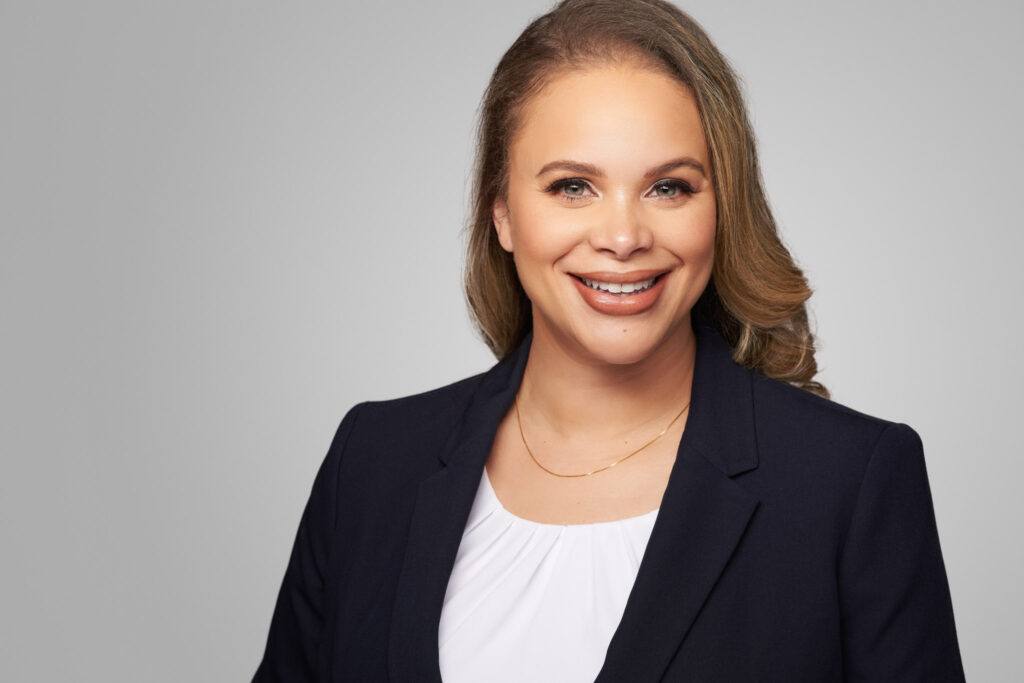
point(617, 304)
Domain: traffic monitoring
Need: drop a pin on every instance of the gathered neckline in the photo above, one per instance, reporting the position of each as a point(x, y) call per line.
point(496, 502)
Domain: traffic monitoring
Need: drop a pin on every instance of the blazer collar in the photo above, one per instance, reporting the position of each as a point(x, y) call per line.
point(701, 520)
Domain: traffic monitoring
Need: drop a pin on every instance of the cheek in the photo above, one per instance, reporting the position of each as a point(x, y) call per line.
point(542, 236)
point(532, 250)
point(694, 240)
point(702, 244)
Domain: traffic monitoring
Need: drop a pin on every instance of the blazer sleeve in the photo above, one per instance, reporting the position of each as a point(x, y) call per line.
point(896, 612)
point(292, 653)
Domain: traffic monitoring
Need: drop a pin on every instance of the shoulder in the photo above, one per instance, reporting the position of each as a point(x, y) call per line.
point(813, 434)
point(795, 408)
point(408, 429)
point(819, 461)
point(434, 408)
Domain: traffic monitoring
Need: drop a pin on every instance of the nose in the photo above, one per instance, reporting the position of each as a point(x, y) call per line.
point(620, 230)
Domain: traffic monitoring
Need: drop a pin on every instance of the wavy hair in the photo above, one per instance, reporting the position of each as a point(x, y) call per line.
point(757, 295)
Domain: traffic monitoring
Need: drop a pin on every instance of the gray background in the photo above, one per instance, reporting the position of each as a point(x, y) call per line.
point(224, 223)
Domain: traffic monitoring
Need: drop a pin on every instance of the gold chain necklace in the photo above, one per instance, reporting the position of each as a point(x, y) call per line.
point(600, 469)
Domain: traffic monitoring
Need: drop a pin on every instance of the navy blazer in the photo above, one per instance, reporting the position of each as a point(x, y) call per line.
point(796, 541)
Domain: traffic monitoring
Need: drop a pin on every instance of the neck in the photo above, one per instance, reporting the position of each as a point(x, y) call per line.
point(569, 393)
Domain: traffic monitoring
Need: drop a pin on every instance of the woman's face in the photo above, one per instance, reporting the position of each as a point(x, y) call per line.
point(610, 213)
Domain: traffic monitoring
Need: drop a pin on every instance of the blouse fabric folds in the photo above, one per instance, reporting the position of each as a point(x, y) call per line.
point(529, 601)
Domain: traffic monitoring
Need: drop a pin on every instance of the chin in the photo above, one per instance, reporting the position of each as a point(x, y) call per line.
point(613, 340)
point(622, 348)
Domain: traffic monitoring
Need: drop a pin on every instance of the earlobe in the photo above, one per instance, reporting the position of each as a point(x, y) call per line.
point(499, 215)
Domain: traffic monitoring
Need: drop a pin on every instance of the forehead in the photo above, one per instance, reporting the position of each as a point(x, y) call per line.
point(618, 112)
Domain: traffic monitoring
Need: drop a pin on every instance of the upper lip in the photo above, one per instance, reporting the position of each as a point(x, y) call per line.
point(620, 278)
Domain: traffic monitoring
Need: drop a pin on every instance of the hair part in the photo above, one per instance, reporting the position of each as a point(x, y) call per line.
point(757, 295)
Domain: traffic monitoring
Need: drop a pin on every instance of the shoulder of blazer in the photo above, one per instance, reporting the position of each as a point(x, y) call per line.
point(415, 434)
point(788, 414)
point(815, 449)
point(436, 407)
point(792, 403)
point(409, 428)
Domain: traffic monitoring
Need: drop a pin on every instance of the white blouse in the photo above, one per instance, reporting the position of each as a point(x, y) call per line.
point(536, 602)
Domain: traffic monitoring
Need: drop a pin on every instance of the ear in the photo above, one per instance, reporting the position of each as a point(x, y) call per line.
point(502, 226)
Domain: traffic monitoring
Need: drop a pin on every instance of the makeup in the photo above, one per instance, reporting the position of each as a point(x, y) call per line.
point(620, 293)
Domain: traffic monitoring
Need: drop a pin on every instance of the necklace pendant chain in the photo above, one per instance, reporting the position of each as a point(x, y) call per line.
point(519, 421)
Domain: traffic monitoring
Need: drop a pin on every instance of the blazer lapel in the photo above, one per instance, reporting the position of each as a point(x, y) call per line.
point(701, 521)
point(442, 507)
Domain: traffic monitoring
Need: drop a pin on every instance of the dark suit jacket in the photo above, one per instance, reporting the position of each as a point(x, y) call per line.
point(796, 541)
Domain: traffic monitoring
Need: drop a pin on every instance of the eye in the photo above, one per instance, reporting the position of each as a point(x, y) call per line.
point(671, 189)
point(572, 189)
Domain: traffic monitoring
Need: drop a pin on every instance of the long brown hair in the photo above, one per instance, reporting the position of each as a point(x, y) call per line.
point(756, 296)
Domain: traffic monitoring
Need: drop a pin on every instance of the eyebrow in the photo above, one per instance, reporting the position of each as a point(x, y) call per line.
point(591, 169)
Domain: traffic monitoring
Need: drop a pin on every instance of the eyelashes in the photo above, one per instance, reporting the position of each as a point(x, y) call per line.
point(678, 188)
point(575, 189)
point(566, 188)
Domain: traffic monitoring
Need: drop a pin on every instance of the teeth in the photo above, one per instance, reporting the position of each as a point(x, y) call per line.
point(617, 287)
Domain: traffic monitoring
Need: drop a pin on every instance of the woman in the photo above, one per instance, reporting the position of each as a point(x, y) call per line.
point(650, 485)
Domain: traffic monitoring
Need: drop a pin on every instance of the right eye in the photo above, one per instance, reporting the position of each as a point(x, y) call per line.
point(572, 189)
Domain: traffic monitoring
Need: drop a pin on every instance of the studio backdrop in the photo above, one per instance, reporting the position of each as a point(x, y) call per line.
point(224, 223)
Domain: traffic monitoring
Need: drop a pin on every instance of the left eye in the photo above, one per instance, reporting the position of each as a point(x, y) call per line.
point(574, 188)
point(671, 188)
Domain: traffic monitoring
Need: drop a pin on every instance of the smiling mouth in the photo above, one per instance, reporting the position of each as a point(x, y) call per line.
point(621, 289)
